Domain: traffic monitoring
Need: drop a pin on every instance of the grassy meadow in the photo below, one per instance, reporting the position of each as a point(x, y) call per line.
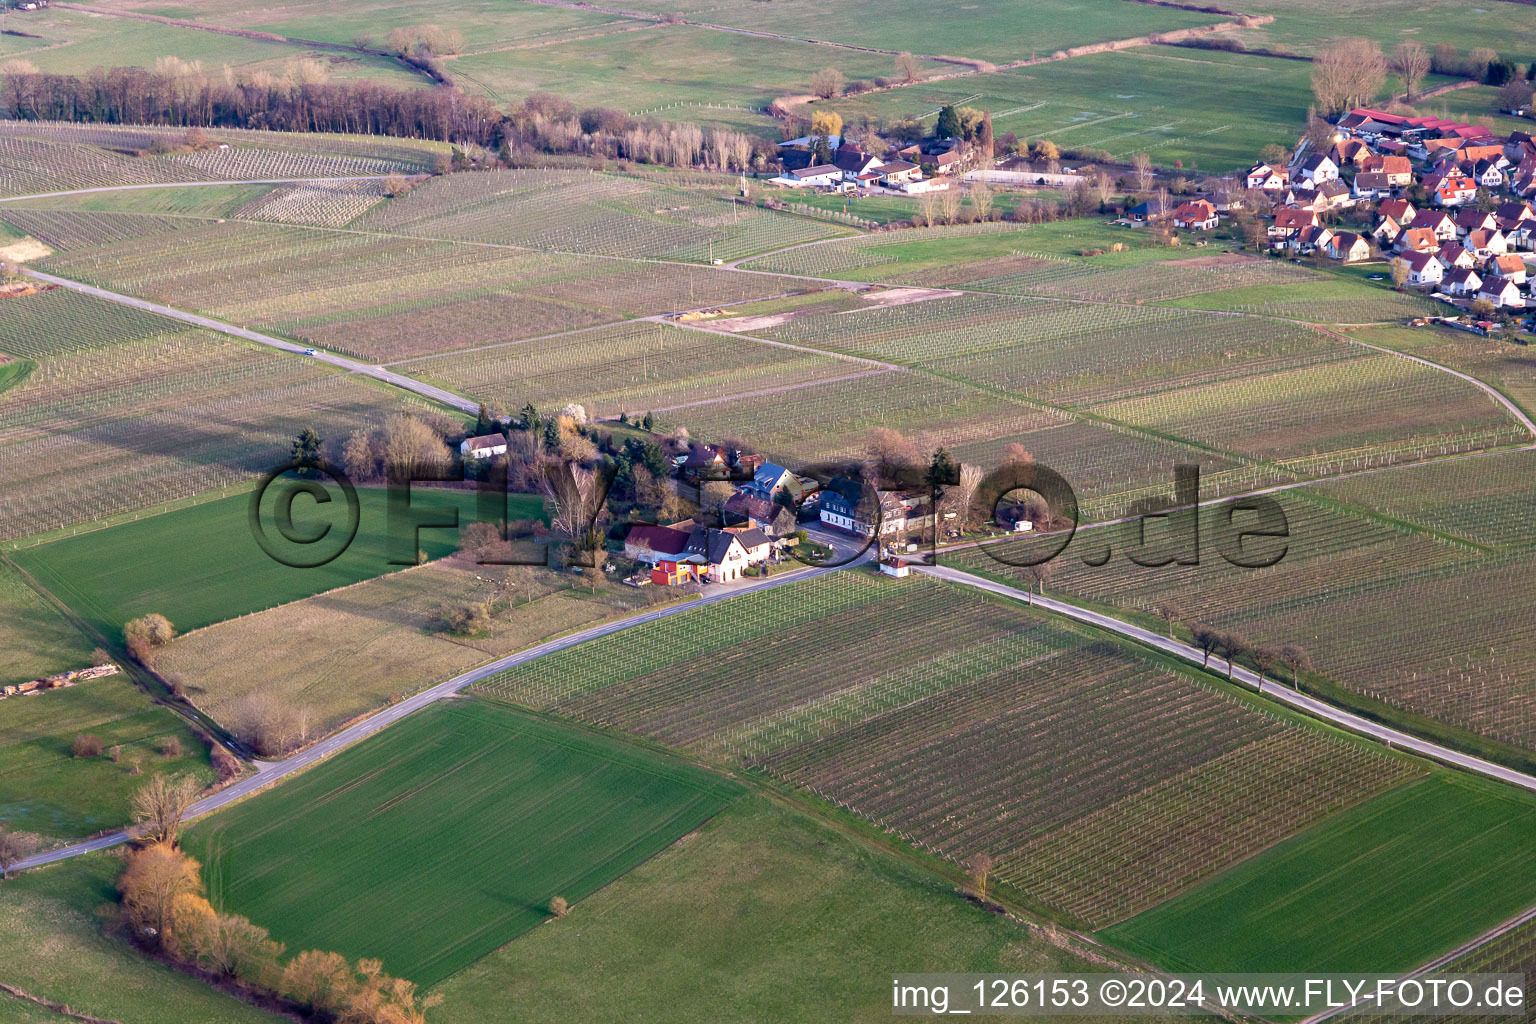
point(36, 639)
point(200, 565)
point(713, 927)
point(348, 651)
point(45, 789)
point(1381, 887)
point(55, 946)
point(433, 843)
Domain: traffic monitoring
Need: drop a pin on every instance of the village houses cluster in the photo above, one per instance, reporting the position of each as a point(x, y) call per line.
point(844, 166)
point(1449, 203)
point(763, 515)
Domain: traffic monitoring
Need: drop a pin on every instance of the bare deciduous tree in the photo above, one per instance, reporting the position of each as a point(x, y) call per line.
point(1170, 612)
point(981, 199)
point(160, 805)
point(1208, 639)
point(827, 83)
point(1296, 658)
point(978, 873)
point(14, 848)
point(907, 66)
point(1411, 62)
point(1348, 73)
point(154, 878)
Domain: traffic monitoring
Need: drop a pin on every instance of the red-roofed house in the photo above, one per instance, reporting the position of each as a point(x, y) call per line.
point(1455, 190)
point(1509, 266)
point(1196, 215)
point(1417, 240)
point(1400, 210)
point(1288, 223)
point(1347, 246)
point(1437, 221)
point(1268, 177)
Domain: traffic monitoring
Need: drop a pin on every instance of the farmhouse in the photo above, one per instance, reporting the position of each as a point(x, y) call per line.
point(484, 446)
point(774, 519)
point(654, 544)
point(725, 554)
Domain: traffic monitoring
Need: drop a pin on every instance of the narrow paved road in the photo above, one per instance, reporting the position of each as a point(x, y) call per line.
point(269, 772)
point(388, 376)
point(188, 184)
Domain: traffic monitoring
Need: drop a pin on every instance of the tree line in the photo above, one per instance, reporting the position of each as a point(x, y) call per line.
point(175, 93)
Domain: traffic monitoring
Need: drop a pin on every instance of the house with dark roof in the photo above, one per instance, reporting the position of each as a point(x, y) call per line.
point(1288, 223)
point(1347, 247)
point(1502, 292)
point(1317, 168)
point(1424, 268)
point(653, 544)
point(746, 509)
point(725, 555)
point(1463, 281)
point(484, 446)
point(1371, 185)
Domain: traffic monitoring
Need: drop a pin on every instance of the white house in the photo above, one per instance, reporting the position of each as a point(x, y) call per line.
point(1318, 168)
point(1424, 268)
point(1502, 292)
point(483, 447)
point(817, 174)
point(1462, 281)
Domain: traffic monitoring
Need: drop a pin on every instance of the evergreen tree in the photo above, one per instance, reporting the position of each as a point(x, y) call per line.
point(648, 422)
point(306, 453)
point(948, 126)
point(942, 471)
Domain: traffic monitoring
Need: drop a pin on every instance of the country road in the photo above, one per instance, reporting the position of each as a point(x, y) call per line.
point(269, 772)
point(272, 772)
point(399, 380)
point(1271, 688)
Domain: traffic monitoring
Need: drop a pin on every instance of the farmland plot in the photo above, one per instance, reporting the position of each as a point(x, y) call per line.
point(602, 214)
point(627, 368)
point(67, 229)
point(908, 710)
point(1369, 411)
point(1463, 656)
point(37, 640)
point(334, 859)
point(329, 203)
point(127, 410)
point(832, 420)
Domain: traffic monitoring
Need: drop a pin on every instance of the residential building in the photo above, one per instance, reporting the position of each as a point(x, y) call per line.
point(1463, 281)
point(1196, 215)
point(1348, 247)
point(1317, 168)
point(1502, 292)
point(1509, 266)
point(1424, 268)
point(483, 447)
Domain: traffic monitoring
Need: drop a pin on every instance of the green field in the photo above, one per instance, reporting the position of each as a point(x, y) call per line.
point(38, 641)
point(201, 565)
point(763, 915)
point(1152, 99)
point(1382, 887)
point(446, 836)
point(47, 790)
point(54, 947)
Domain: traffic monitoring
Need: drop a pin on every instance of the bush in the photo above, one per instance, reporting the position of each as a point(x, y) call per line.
point(115, 753)
point(170, 747)
point(86, 745)
point(559, 907)
point(225, 763)
point(470, 619)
